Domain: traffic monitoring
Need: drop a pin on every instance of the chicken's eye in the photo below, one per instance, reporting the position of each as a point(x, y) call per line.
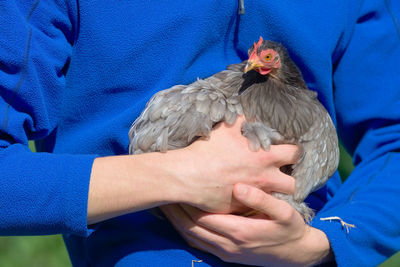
point(268, 57)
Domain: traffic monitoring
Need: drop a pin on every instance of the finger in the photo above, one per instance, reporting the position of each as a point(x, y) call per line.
point(257, 199)
point(280, 182)
point(179, 219)
point(193, 212)
point(230, 226)
point(285, 154)
point(207, 247)
point(192, 232)
point(169, 212)
point(222, 224)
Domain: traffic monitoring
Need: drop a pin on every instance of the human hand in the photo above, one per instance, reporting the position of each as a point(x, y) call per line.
point(275, 236)
point(212, 167)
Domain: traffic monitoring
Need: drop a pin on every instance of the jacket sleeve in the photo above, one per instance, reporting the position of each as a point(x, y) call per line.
point(40, 193)
point(367, 99)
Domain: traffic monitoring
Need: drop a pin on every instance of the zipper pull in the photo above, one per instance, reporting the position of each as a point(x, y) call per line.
point(241, 7)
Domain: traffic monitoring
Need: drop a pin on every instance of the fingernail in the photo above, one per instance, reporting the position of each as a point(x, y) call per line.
point(241, 189)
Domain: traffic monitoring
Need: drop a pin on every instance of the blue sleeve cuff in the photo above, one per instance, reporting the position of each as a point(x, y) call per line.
point(77, 192)
point(43, 193)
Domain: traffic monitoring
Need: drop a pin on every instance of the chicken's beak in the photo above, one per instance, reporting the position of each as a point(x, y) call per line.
point(251, 65)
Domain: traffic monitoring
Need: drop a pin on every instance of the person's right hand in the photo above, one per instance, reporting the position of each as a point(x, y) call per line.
point(213, 166)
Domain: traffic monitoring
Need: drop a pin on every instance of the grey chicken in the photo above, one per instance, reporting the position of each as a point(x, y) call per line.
point(278, 107)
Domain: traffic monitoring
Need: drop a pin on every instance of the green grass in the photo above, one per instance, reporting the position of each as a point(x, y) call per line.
point(49, 251)
point(394, 261)
point(40, 251)
point(346, 165)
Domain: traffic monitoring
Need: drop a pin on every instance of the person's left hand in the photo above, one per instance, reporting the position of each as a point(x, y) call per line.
point(276, 235)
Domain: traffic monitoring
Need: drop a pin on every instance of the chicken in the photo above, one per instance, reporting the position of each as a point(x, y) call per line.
point(278, 107)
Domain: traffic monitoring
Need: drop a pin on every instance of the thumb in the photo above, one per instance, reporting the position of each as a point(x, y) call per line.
point(250, 196)
point(258, 200)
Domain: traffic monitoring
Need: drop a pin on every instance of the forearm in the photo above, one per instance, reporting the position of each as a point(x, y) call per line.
point(124, 184)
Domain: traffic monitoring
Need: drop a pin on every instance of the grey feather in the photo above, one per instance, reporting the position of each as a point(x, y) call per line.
point(186, 112)
point(230, 117)
point(218, 109)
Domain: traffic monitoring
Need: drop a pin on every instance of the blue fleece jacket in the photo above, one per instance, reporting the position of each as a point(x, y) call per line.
point(75, 74)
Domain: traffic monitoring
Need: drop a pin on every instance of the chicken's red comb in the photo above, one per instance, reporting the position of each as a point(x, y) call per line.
point(256, 45)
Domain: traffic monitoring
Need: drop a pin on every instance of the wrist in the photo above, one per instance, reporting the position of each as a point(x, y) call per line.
point(165, 176)
point(180, 170)
point(317, 247)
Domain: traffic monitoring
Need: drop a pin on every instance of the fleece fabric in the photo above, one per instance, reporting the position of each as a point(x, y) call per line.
point(74, 75)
